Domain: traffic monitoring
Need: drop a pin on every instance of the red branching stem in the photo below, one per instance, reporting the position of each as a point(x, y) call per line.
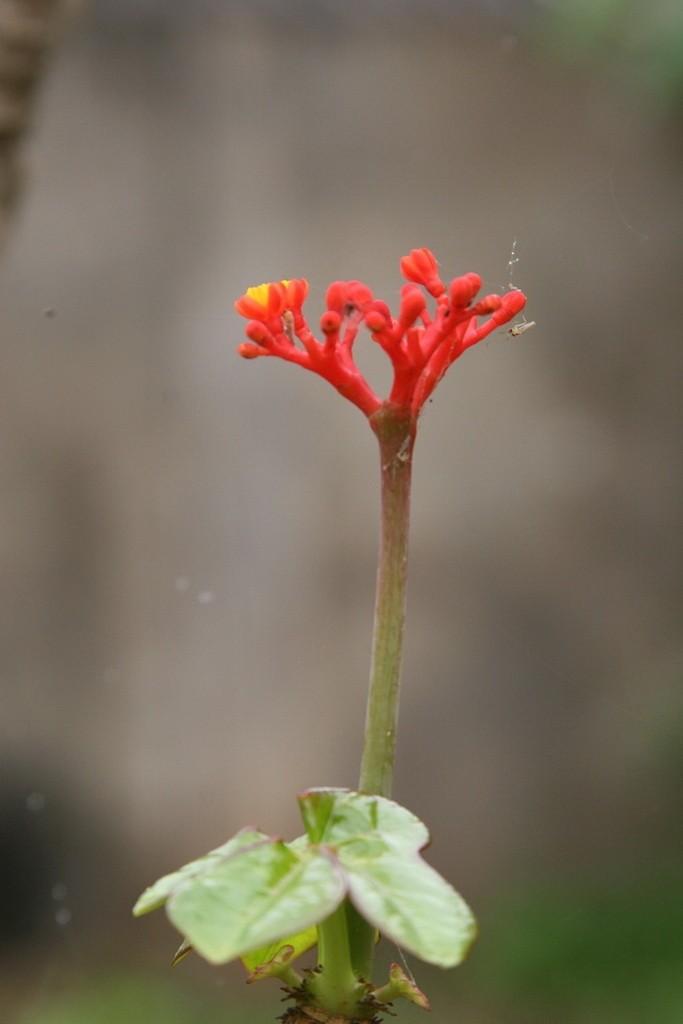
point(420, 352)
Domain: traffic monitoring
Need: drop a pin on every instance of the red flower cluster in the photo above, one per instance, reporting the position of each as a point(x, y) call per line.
point(421, 346)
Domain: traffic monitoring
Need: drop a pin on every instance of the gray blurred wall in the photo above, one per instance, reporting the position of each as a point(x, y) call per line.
point(188, 539)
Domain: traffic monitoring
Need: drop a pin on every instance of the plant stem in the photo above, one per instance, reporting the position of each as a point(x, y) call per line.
point(361, 942)
point(335, 987)
point(395, 430)
point(345, 939)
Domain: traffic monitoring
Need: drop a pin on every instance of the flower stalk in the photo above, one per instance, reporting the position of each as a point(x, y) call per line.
point(395, 430)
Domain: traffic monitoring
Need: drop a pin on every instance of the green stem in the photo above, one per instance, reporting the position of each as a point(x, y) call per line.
point(361, 942)
point(346, 941)
point(395, 430)
point(335, 986)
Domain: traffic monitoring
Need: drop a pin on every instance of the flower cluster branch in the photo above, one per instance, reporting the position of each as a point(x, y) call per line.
point(421, 345)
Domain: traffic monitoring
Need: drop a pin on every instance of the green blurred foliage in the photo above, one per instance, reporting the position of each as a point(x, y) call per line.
point(138, 999)
point(585, 951)
point(642, 42)
point(597, 950)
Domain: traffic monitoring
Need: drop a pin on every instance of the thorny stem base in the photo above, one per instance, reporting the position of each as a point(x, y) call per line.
point(336, 986)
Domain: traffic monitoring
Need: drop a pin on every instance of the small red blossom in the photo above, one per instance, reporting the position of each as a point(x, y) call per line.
point(265, 302)
point(421, 267)
point(421, 345)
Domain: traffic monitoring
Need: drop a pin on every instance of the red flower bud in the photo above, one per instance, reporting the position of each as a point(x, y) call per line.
point(512, 303)
point(330, 322)
point(412, 305)
point(248, 350)
point(420, 266)
point(295, 293)
point(257, 332)
point(487, 305)
point(376, 321)
point(335, 296)
point(463, 289)
point(358, 294)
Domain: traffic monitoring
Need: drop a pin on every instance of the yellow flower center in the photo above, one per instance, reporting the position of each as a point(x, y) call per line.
point(259, 293)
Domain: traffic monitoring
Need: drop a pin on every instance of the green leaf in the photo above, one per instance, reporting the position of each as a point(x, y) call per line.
point(255, 898)
point(299, 844)
point(377, 843)
point(183, 950)
point(298, 944)
point(156, 895)
point(410, 903)
point(401, 986)
point(334, 816)
point(258, 898)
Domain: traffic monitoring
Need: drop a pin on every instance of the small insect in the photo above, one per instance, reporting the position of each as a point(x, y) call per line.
point(288, 324)
point(518, 329)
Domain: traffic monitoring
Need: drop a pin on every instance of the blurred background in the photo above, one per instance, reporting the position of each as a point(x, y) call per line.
point(188, 540)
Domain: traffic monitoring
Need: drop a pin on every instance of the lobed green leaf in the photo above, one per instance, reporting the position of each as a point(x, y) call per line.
point(335, 816)
point(254, 899)
point(410, 903)
point(259, 898)
point(377, 844)
point(156, 895)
